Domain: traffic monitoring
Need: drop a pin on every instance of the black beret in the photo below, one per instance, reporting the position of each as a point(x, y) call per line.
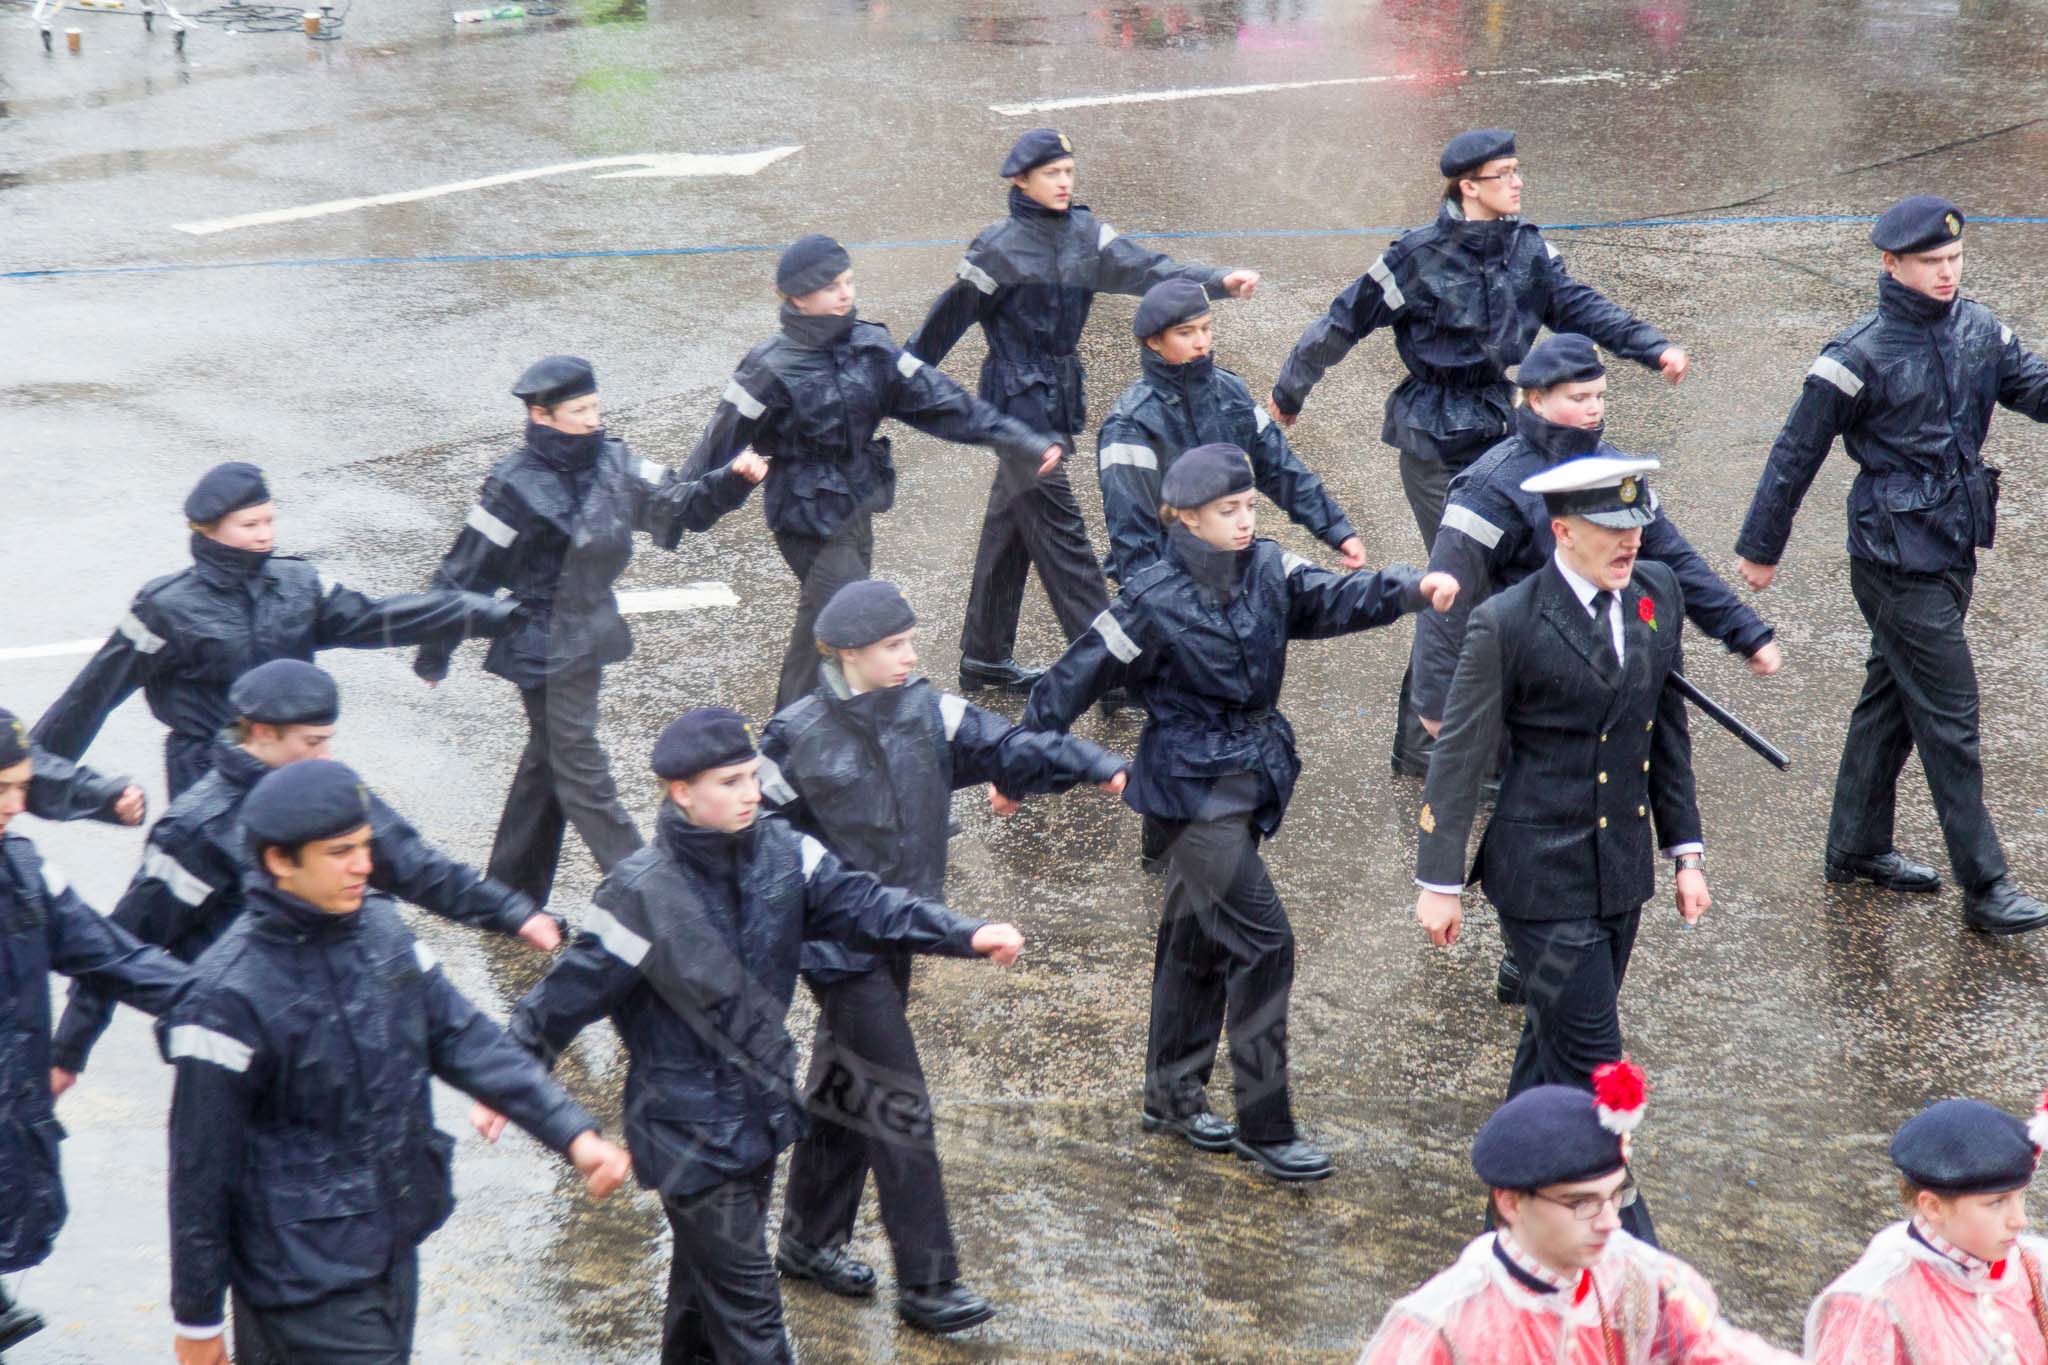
point(223, 489)
point(1168, 304)
point(316, 798)
point(286, 692)
point(708, 737)
point(1566, 358)
point(861, 613)
point(555, 379)
point(13, 739)
point(1034, 149)
point(809, 264)
point(1964, 1147)
point(1470, 151)
point(1920, 223)
point(1547, 1135)
point(1204, 474)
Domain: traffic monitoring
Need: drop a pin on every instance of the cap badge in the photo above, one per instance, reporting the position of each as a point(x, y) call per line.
point(1954, 224)
point(1067, 146)
point(1628, 491)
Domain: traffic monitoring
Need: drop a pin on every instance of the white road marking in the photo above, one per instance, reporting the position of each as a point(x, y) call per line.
point(689, 597)
point(652, 165)
point(1188, 93)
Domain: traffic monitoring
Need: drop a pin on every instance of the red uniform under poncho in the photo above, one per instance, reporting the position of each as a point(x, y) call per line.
point(1928, 1303)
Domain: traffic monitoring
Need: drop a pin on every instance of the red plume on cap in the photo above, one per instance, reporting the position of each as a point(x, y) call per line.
point(1619, 1093)
point(2037, 1126)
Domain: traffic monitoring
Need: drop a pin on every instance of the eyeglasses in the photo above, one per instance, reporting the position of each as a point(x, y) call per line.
point(1587, 1207)
point(1517, 175)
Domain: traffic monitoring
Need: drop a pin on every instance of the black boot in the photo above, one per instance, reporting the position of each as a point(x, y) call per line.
point(1205, 1131)
point(2002, 908)
point(1006, 674)
point(942, 1308)
point(1892, 870)
point(17, 1324)
point(1292, 1160)
point(1507, 982)
point(832, 1268)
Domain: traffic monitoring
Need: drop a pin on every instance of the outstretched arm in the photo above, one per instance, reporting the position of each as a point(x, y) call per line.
point(1372, 300)
point(64, 790)
point(935, 405)
point(1107, 655)
point(126, 661)
point(1828, 404)
point(1296, 489)
point(987, 747)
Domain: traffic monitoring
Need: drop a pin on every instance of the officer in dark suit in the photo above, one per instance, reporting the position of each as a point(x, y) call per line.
point(1572, 661)
point(1909, 389)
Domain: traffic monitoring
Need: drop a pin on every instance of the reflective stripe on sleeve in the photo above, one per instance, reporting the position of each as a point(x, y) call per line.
point(976, 276)
point(652, 473)
point(1290, 561)
point(2004, 335)
point(1838, 374)
point(54, 880)
point(1381, 275)
point(907, 364)
point(1120, 644)
point(145, 640)
point(773, 784)
point(1473, 525)
point(1105, 237)
point(173, 874)
point(814, 853)
point(1137, 457)
point(489, 527)
point(952, 710)
point(425, 956)
point(202, 1044)
point(621, 942)
point(750, 407)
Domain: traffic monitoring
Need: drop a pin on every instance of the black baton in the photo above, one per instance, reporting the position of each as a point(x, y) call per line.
point(1771, 752)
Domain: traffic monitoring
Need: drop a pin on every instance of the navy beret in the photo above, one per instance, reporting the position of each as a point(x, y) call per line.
point(1168, 304)
point(1204, 474)
point(13, 739)
point(1920, 223)
point(1470, 151)
point(1566, 358)
point(809, 264)
point(708, 737)
point(286, 692)
point(223, 489)
point(316, 798)
point(1964, 1147)
point(555, 379)
point(861, 613)
point(1034, 149)
point(1547, 1135)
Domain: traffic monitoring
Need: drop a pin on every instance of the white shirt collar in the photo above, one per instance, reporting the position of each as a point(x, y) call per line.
point(1585, 588)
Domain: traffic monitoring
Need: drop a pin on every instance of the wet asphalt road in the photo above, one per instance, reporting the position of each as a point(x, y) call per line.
point(1785, 1037)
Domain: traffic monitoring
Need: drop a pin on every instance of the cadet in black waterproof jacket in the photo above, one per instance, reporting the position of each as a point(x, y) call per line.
point(189, 634)
point(44, 928)
point(811, 399)
point(1570, 665)
point(1184, 400)
point(1909, 388)
point(64, 790)
point(692, 949)
point(305, 1165)
point(1495, 533)
point(1029, 281)
point(868, 763)
point(1464, 297)
point(1201, 635)
point(189, 887)
point(553, 526)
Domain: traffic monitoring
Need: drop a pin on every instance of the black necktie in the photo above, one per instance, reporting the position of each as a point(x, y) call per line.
point(1603, 636)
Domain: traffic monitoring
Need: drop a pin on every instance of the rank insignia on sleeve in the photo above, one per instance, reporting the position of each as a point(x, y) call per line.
point(1428, 820)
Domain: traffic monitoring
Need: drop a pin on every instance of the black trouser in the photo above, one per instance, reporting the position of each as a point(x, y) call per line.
point(822, 566)
point(187, 758)
point(869, 1108)
point(723, 1300)
point(1919, 688)
point(371, 1324)
point(563, 777)
point(1030, 521)
point(1572, 972)
point(1427, 481)
point(1225, 949)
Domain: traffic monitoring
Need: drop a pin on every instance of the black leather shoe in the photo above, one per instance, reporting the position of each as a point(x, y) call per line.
point(17, 1324)
point(1293, 1160)
point(1115, 700)
point(1407, 765)
point(2002, 908)
point(1009, 675)
point(943, 1308)
point(1205, 1131)
point(832, 1268)
point(1893, 871)
point(1507, 982)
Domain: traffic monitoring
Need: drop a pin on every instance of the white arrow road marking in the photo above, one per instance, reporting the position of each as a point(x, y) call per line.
point(652, 165)
point(1189, 93)
point(689, 597)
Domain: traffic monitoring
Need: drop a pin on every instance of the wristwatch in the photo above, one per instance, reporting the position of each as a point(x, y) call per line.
point(1694, 861)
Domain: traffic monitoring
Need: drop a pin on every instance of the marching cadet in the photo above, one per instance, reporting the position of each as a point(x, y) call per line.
point(64, 790)
point(553, 525)
point(45, 927)
point(692, 949)
point(1029, 281)
point(1559, 1281)
point(1494, 534)
point(1465, 297)
point(190, 885)
point(1958, 1281)
point(811, 398)
point(1201, 636)
point(305, 1166)
point(1909, 388)
point(187, 635)
point(868, 762)
point(1572, 661)
point(1184, 399)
